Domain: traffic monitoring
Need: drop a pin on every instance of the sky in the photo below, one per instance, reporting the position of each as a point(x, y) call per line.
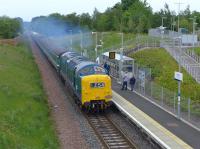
point(159, 4)
point(27, 9)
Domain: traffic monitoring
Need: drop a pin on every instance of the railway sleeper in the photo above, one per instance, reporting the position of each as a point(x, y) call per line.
point(115, 140)
point(117, 143)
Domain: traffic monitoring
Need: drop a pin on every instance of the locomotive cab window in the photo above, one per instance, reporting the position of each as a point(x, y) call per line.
point(92, 70)
point(99, 70)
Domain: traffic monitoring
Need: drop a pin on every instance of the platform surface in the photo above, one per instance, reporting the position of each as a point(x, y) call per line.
point(177, 128)
point(154, 129)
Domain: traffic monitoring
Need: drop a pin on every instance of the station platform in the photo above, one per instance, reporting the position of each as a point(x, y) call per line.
point(166, 129)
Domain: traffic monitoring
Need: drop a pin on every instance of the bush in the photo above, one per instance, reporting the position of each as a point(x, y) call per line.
point(9, 28)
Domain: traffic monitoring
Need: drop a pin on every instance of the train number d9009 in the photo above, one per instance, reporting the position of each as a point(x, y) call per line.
point(97, 85)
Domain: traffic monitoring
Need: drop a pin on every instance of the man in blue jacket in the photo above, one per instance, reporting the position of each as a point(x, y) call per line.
point(132, 82)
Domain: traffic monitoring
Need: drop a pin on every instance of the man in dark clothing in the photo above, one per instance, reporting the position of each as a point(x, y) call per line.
point(107, 67)
point(132, 82)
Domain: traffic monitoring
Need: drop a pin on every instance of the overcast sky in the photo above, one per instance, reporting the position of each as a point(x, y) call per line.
point(27, 9)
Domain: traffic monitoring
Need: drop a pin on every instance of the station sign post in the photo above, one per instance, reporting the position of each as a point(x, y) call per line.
point(179, 77)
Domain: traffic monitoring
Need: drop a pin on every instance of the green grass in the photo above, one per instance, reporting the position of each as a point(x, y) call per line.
point(196, 50)
point(111, 41)
point(163, 67)
point(25, 121)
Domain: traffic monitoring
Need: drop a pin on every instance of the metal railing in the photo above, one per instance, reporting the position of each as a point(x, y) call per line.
point(190, 110)
point(182, 57)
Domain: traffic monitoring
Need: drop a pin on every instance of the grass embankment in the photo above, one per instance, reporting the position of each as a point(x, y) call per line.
point(24, 113)
point(163, 67)
point(196, 50)
point(109, 40)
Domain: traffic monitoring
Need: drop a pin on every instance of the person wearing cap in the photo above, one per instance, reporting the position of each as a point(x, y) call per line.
point(125, 81)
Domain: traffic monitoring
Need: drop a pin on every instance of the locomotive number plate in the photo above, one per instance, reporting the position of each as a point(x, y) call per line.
point(97, 85)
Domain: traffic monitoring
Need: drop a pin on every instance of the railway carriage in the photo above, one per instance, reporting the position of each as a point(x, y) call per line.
point(88, 80)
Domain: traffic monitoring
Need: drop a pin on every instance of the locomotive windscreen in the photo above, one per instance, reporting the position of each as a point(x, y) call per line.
point(92, 70)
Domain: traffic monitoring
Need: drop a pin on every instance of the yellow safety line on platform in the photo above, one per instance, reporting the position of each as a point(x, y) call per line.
point(153, 122)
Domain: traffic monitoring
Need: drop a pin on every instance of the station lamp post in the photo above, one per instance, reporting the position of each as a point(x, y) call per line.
point(102, 33)
point(95, 44)
point(193, 24)
point(102, 36)
point(179, 77)
point(163, 20)
point(81, 42)
point(121, 56)
point(179, 81)
point(70, 38)
point(179, 5)
point(173, 24)
point(162, 25)
point(96, 55)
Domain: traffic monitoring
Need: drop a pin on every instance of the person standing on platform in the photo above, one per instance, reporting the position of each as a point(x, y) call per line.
point(132, 82)
point(125, 81)
point(107, 67)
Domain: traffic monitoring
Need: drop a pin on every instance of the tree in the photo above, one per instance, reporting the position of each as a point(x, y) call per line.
point(127, 3)
point(10, 28)
point(139, 17)
point(85, 20)
point(117, 15)
point(72, 19)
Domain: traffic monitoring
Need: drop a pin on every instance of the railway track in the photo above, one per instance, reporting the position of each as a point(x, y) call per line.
point(109, 134)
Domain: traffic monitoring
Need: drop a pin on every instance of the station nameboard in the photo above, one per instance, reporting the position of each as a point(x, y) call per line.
point(111, 55)
point(178, 76)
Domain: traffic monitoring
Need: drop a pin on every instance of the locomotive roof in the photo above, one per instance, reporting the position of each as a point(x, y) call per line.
point(70, 54)
point(79, 59)
point(73, 62)
point(84, 64)
point(58, 50)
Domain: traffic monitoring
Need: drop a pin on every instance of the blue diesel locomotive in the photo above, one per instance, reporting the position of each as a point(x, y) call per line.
point(88, 80)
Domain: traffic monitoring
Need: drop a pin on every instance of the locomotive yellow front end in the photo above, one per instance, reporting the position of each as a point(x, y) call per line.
point(96, 92)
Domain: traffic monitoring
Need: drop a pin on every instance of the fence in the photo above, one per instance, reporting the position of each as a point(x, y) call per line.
point(138, 43)
point(192, 54)
point(182, 57)
point(190, 110)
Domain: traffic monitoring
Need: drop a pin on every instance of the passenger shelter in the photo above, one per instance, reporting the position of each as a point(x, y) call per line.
point(127, 63)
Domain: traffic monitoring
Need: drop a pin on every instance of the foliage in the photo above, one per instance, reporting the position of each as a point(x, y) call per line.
point(196, 50)
point(9, 28)
point(134, 16)
point(24, 111)
point(163, 67)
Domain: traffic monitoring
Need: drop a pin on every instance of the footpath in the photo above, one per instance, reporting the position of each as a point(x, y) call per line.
point(186, 61)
